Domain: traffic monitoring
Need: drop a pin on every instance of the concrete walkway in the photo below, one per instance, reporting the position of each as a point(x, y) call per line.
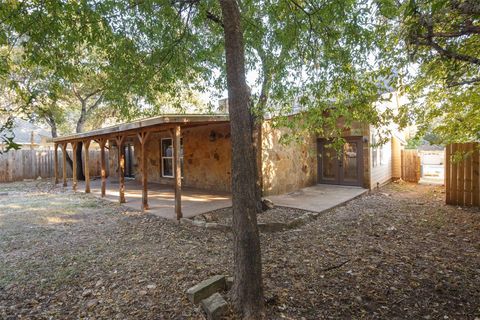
point(161, 198)
point(318, 198)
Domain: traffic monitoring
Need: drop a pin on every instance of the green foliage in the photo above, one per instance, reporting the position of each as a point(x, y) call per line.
point(436, 48)
point(413, 143)
point(316, 59)
point(316, 56)
point(7, 137)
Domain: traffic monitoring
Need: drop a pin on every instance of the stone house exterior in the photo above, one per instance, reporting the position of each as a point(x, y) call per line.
point(206, 158)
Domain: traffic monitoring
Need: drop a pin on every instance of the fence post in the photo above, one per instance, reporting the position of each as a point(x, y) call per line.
point(448, 171)
point(476, 175)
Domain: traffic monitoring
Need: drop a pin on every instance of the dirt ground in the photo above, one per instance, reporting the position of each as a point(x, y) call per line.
point(398, 253)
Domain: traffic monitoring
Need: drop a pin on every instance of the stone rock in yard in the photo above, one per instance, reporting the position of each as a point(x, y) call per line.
point(267, 204)
point(186, 221)
point(206, 288)
point(215, 306)
point(211, 225)
point(200, 217)
point(209, 217)
point(199, 223)
point(229, 283)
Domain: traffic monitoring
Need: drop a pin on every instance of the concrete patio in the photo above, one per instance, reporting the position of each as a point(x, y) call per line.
point(318, 198)
point(161, 198)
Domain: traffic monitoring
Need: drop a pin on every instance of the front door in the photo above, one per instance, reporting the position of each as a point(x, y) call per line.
point(344, 167)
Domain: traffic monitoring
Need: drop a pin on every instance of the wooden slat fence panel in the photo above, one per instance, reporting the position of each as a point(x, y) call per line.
point(410, 166)
point(462, 178)
point(18, 165)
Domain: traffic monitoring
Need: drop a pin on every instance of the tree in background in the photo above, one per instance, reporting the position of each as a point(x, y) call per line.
point(436, 47)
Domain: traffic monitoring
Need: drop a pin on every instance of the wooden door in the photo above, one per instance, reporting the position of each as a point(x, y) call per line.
point(344, 167)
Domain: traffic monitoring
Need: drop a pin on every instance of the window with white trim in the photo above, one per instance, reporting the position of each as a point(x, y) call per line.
point(167, 157)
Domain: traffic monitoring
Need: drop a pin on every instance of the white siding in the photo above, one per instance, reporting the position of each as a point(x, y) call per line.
point(382, 172)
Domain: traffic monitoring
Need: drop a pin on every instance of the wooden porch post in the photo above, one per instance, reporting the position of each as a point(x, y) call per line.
point(74, 166)
point(178, 172)
point(103, 171)
point(55, 161)
point(143, 138)
point(86, 169)
point(64, 169)
point(121, 167)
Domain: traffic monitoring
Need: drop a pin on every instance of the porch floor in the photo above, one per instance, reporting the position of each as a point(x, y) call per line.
point(161, 198)
point(318, 198)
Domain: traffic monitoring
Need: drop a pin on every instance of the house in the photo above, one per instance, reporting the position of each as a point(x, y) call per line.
point(203, 159)
point(29, 135)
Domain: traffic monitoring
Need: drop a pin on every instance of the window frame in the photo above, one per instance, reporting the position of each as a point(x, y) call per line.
point(162, 157)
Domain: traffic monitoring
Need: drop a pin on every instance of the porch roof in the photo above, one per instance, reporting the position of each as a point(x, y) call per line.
point(148, 123)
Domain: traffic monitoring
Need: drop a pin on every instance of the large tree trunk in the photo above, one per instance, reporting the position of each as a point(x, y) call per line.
point(80, 128)
point(80, 174)
point(247, 291)
point(53, 129)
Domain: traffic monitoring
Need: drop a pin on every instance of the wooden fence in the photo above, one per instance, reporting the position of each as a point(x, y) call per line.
point(410, 166)
point(462, 179)
point(18, 165)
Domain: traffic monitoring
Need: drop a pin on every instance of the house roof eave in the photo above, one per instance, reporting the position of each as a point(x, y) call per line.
point(171, 119)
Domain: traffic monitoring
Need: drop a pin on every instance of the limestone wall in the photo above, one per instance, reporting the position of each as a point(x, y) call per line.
point(289, 167)
point(286, 167)
point(207, 157)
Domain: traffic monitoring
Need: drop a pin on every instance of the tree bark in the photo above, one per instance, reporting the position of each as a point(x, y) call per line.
point(80, 128)
point(247, 291)
point(53, 130)
point(78, 155)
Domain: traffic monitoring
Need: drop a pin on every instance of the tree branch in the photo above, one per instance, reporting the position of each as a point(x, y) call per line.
point(77, 94)
point(451, 54)
point(461, 83)
point(341, 264)
point(93, 93)
point(95, 104)
point(430, 42)
point(214, 18)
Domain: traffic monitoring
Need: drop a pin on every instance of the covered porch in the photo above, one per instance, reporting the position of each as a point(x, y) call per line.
point(161, 197)
point(183, 188)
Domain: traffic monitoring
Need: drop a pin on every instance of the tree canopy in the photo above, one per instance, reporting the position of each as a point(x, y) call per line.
point(435, 46)
point(314, 55)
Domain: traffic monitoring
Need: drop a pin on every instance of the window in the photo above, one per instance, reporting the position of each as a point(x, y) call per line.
point(167, 157)
point(374, 151)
